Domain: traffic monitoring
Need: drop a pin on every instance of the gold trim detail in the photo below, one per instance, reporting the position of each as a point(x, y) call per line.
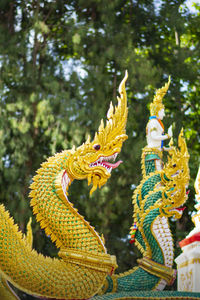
point(189, 262)
point(153, 150)
point(147, 150)
point(166, 273)
point(99, 261)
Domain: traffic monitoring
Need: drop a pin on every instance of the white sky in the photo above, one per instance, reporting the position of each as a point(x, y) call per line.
point(189, 4)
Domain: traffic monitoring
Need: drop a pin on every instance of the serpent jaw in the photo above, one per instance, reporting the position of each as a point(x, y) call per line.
point(103, 161)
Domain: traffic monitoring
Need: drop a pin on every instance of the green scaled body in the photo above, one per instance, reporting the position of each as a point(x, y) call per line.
point(151, 201)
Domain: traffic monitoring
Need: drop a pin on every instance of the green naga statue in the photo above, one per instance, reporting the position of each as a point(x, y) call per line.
point(160, 195)
point(84, 270)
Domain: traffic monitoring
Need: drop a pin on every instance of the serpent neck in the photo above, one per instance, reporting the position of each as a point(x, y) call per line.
point(55, 212)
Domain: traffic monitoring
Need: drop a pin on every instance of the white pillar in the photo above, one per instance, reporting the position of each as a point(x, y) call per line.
point(188, 264)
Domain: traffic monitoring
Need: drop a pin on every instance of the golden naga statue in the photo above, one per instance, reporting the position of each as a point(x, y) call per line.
point(84, 262)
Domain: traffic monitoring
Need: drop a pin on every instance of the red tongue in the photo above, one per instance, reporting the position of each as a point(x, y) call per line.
point(113, 166)
point(181, 208)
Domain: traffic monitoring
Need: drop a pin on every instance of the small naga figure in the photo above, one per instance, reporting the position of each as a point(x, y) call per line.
point(155, 129)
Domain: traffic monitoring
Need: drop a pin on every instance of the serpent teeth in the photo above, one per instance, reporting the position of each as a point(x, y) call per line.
point(104, 158)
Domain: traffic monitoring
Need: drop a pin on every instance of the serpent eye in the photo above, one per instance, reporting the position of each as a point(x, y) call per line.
point(174, 165)
point(97, 147)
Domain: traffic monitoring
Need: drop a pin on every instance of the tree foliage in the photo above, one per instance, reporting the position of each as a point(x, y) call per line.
point(61, 63)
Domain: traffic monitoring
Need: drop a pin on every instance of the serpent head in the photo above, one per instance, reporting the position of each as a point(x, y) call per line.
point(93, 159)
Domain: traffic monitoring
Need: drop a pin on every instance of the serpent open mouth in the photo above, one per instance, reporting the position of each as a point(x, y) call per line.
point(181, 208)
point(103, 161)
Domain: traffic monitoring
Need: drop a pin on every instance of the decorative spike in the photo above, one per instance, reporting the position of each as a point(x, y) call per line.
point(122, 84)
point(93, 189)
point(109, 123)
point(29, 235)
point(33, 202)
point(89, 178)
point(101, 127)
point(32, 194)
point(43, 165)
point(180, 138)
point(43, 224)
point(88, 139)
point(96, 136)
point(182, 144)
point(110, 111)
point(39, 217)
point(103, 239)
point(39, 171)
point(33, 185)
point(171, 143)
point(48, 231)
